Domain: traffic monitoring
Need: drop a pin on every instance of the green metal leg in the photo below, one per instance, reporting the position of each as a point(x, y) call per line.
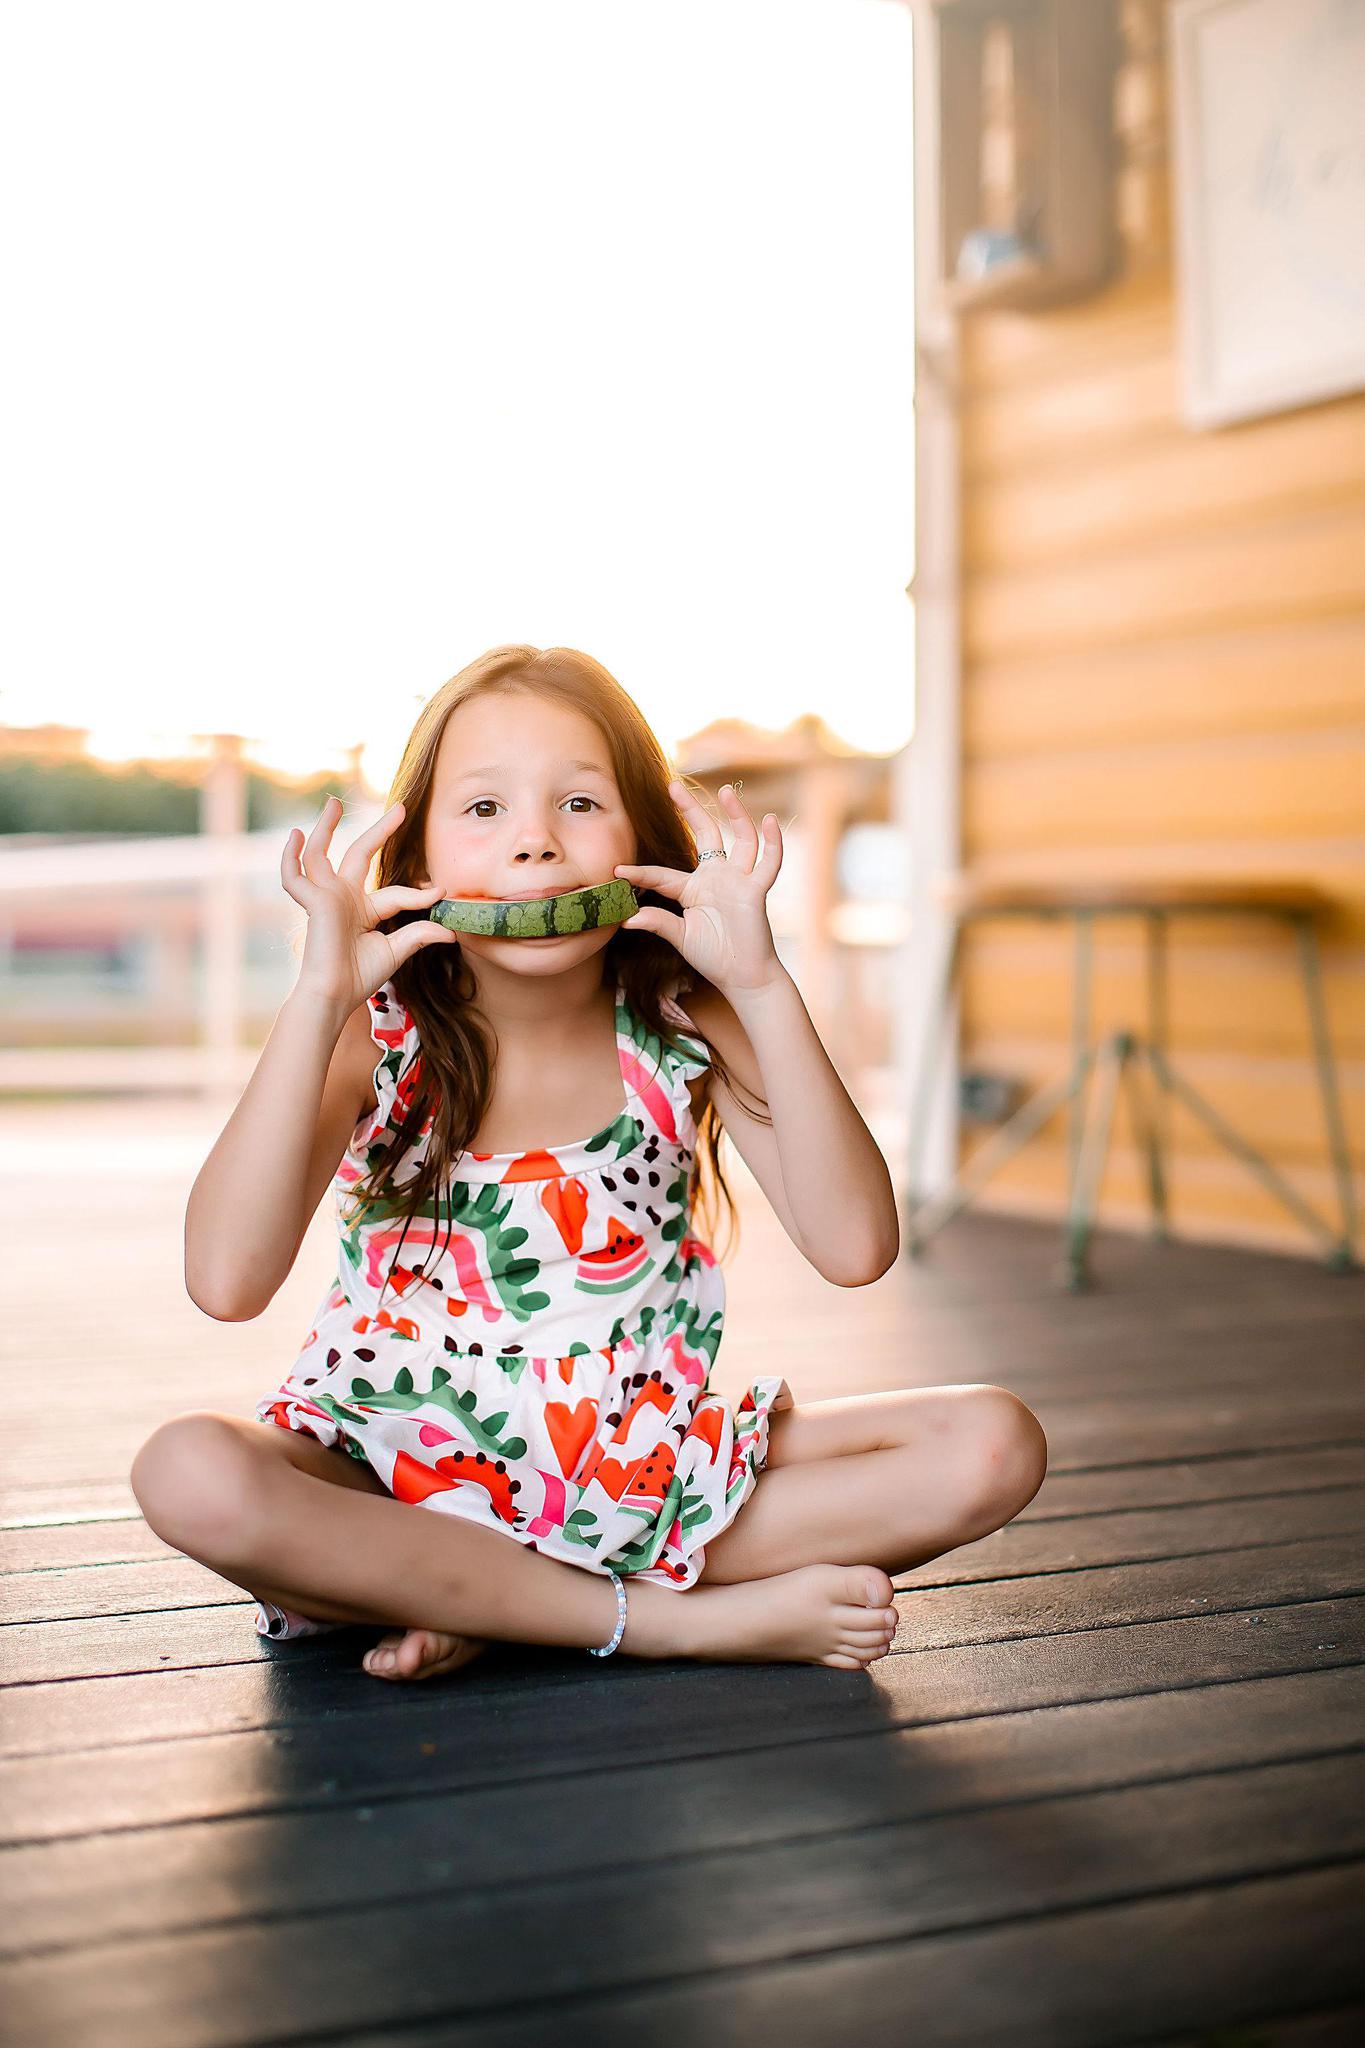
point(1145, 1138)
point(1113, 1058)
point(1269, 1176)
point(1153, 1122)
point(1002, 1145)
point(1344, 1253)
point(1080, 1039)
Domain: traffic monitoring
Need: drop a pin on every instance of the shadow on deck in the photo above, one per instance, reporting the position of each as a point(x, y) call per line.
point(1109, 1787)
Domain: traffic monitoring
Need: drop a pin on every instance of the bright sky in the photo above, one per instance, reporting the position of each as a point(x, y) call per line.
point(347, 342)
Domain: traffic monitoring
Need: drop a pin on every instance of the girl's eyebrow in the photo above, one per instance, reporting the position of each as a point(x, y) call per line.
point(500, 768)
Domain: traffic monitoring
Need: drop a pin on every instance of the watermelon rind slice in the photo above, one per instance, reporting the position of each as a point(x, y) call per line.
point(544, 917)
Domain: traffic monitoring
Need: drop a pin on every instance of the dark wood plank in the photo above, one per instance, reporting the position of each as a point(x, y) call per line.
point(60, 1892)
point(113, 1538)
point(451, 1947)
point(1105, 1977)
point(931, 1617)
point(1189, 1483)
point(1342, 2028)
point(1101, 1791)
point(1021, 1549)
point(515, 1705)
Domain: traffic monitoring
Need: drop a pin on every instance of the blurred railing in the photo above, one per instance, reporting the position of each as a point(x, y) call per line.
point(181, 949)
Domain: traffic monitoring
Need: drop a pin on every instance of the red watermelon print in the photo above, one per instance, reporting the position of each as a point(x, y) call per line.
point(533, 1349)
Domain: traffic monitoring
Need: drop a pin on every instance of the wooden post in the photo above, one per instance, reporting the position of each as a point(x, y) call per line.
point(222, 819)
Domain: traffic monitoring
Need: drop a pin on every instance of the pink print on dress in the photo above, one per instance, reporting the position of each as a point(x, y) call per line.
point(555, 1502)
point(655, 1097)
point(424, 1235)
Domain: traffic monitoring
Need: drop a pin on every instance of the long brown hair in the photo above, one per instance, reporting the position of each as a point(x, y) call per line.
point(452, 1080)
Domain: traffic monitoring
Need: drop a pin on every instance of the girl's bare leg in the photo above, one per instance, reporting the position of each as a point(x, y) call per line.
point(410, 1653)
point(897, 1477)
point(209, 1485)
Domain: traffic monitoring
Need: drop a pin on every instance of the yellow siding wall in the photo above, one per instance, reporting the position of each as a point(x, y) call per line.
point(1163, 673)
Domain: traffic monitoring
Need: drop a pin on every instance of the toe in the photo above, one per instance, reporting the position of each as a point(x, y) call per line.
point(868, 1586)
point(879, 1587)
point(414, 1652)
point(861, 1620)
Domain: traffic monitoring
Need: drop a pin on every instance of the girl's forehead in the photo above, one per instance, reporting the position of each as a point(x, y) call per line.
point(518, 737)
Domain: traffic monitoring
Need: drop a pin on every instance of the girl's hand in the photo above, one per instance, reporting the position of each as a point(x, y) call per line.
point(723, 931)
point(344, 958)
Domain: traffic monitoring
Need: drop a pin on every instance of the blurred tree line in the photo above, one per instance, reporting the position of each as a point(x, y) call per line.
point(89, 796)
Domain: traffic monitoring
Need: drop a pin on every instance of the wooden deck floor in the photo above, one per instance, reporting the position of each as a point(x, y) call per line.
point(1109, 1787)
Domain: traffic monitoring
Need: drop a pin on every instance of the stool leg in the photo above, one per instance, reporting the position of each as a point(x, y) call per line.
point(1145, 1137)
point(999, 1147)
point(1113, 1058)
point(1155, 1124)
point(1080, 1039)
point(1269, 1176)
point(1311, 962)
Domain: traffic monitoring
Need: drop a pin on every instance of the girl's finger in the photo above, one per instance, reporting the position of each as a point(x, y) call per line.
point(316, 844)
point(410, 938)
point(746, 842)
point(769, 863)
point(667, 881)
point(705, 830)
point(325, 823)
point(651, 919)
point(384, 902)
point(355, 863)
point(290, 875)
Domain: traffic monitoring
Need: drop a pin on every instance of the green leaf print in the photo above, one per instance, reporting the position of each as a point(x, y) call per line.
point(748, 1464)
point(657, 1523)
point(577, 1527)
point(481, 1211)
point(402, 1399)
point(685, 1318)
point(622, 1137)
point(510, 1276)
point(694, 1512)
point(646, 1549)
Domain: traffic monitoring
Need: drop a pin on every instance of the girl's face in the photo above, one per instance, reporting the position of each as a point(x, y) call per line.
point(524, 802)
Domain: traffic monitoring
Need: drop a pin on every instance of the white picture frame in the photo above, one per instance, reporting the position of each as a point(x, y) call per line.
point(1268, 136)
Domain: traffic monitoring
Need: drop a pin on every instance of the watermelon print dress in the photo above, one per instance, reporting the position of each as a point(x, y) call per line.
point(533, 1350)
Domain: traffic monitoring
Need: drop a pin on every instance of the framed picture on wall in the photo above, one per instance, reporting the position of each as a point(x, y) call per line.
point(1269, 165)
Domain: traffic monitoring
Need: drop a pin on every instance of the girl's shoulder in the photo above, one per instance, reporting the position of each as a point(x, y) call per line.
point(382, 1040)
point(695, 1066)
point(358, 1055)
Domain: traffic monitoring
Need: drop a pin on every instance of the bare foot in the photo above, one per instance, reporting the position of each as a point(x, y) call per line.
point(840, 1614)
point(421, 1653)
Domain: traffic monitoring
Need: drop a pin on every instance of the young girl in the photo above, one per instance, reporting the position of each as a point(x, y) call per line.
point(521, 1334)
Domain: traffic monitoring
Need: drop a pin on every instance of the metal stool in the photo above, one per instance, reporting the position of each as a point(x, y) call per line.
point(1117, 1058)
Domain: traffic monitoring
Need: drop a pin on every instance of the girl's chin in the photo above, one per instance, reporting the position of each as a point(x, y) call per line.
point(509, 947)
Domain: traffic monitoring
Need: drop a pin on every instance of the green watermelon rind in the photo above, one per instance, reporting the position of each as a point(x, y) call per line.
point(545, 917)
point(605, 1287)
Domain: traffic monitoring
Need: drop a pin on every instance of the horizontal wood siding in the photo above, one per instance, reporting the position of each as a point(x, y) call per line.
point(1163, 674)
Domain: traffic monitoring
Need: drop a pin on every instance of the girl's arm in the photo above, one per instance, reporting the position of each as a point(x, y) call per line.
point(257, 1191)
point(258, 1188)
point(818, 1163)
